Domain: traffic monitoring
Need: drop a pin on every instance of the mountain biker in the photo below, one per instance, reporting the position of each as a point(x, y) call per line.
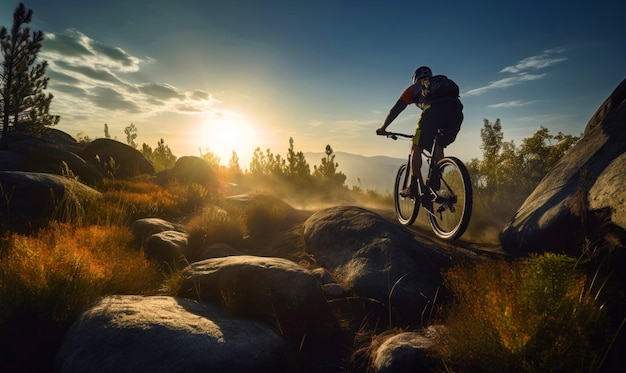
point(438, 97)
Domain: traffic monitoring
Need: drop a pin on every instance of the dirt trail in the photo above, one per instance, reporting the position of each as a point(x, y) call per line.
point(425, 236)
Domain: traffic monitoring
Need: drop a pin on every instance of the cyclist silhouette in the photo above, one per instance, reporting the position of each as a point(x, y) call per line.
point(438, 97)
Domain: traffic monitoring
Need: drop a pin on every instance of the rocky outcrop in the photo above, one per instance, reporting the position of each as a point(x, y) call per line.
point(190, 169)
point(376, 260)
point(29, 200)
point(166, 334)
point(583, 195)
point(273, 290)
point(116, 159)
point(25, 153)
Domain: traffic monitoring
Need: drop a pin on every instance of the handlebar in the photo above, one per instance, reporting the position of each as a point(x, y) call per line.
point(395, 135)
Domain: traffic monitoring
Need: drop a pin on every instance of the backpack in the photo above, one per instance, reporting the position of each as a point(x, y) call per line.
point(438, 87)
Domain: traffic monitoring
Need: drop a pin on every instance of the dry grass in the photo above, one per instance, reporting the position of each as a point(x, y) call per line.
point(56, 273)
point(533, 315)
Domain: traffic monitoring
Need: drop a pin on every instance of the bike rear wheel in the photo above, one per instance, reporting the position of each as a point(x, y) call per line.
point(406, 207)
point(452, 208)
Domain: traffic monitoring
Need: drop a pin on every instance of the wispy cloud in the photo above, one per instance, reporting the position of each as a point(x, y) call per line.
point(533, 63)
point(89, 74)
point(514, 103)
point(521, 71)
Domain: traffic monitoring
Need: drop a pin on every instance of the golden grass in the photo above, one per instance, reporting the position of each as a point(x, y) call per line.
point(57, 273)
point(533, 315)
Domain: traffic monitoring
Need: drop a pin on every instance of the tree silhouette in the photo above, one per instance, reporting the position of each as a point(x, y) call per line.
point(131, 135)
point(297, 166)
point(24, 105)
point(161, 157)
point(327, 171)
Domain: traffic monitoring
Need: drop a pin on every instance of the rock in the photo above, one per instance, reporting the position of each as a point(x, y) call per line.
point(45, 156)
point(404, 352)
point(189, 169)
point(168, 249)
point(116, 159)
point(11, 161)
point(218, 250)
point(376, 260)
point(29, 199)
point(166, 334)
point(582, 194)
point(144, 228)
point(273, 290)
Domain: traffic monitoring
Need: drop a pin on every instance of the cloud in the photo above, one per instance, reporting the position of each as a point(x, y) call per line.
point(111, 99)
point(521, 71)
point(87, 76)
point(543, 118)
point(160, 91)
point(514, 103)
point(537, 62)
point(76, 48)
point(503, 83)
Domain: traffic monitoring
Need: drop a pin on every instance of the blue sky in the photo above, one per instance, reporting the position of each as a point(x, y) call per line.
point(219, 76)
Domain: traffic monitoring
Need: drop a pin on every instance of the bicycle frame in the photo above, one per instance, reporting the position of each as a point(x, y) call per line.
point(421, 185)
point(447, 199)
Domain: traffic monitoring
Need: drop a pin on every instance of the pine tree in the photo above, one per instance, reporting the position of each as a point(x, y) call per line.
point(327, 171)
point(24, 105)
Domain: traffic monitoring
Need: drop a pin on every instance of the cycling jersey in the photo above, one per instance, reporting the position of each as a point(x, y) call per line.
point(414, 94)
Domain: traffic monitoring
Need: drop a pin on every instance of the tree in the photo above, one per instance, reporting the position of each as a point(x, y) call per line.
point(24, 105)
point(297, 166)
point(233, 165)
point(131, 135)
point(161, 157)
point(212, 159)
point(327, 171)
point(107, 135)
point(257, 164)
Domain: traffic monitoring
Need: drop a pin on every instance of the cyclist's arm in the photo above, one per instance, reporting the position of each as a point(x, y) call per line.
point(393, 113)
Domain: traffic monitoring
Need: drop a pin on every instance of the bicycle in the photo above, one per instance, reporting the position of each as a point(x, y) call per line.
point(449, 207)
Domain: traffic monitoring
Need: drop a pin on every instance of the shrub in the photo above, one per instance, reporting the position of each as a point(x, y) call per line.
point(265, 215)
point(214, 225)
point(533, 315)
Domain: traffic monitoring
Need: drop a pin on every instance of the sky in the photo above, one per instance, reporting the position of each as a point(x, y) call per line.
point(221, 76)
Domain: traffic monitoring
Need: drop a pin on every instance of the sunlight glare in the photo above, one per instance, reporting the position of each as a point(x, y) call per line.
point(227, 132)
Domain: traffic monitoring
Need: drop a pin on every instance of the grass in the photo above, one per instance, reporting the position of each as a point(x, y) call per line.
point(537, 314)
point(54, 274)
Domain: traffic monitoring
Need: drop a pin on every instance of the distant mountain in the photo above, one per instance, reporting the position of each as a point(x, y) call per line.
point(377, 173)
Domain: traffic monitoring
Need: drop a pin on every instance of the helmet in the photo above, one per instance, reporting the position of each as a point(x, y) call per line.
point(422, 72)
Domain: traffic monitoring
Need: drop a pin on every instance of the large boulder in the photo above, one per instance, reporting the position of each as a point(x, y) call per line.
point(117, 159)
point(583, 196)
point(30, 199)
point(376, 260)
point(190, 169)
point(166, 334)
point(27, 153)
point(274, 290)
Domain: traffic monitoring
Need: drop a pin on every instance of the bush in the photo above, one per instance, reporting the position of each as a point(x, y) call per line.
point(214, 225)
point(265, 215)
point(533, 315)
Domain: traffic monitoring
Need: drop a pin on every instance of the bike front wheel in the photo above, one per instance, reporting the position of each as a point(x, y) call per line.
point(406, 207)
point(452, 208)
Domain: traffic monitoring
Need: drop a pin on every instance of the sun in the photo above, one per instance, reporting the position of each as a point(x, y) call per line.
point(226, 132)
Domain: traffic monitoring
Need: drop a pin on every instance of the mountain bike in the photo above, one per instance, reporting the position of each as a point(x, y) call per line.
point(446, 196)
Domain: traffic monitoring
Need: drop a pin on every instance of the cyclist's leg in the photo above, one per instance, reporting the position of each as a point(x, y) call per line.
point(415, 166)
